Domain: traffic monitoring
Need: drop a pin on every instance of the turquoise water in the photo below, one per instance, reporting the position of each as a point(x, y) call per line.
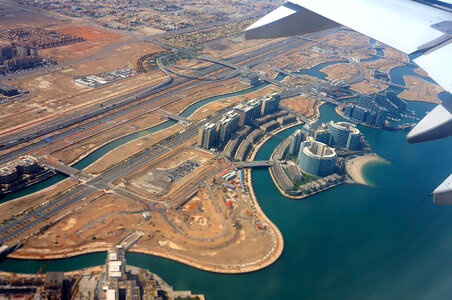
point(192, 108)
point(33, 188)
point(315, 71)
point(57, 265)
point(98, 153)
point(350, 242)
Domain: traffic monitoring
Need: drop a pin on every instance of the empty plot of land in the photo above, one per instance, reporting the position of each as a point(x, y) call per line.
point(95, 38)
point(421, 90)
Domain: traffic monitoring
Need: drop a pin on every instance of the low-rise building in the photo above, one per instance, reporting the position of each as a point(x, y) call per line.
point(269, 126)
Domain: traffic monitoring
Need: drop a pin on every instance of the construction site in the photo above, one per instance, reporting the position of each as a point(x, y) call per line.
point(113, 280)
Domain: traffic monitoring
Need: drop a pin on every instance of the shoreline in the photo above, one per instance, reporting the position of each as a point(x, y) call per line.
point(354, 167)
point(274, 255)
point(267, 260)
point(302, 196)
point(83, 271)
point(264, 262)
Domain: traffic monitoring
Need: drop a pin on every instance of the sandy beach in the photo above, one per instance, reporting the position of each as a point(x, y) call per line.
point(354, 167)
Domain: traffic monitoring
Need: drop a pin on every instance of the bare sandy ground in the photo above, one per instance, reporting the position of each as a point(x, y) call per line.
point(354, 167)
point(421, 90)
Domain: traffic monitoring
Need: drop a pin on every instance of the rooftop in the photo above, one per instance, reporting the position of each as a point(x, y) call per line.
point(314, 148)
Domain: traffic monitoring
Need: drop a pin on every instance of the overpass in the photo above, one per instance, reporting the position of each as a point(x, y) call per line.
point(329, 100)
point(396, 85)
point(274, 81)
point(62, 168)
point(254, 164)
point(242, 68)
point(174, 117)
point(218, 61)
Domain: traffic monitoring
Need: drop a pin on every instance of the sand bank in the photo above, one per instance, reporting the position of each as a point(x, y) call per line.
point(354, 166)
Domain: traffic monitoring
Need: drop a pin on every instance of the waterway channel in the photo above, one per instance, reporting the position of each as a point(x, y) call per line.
point(351, 242)
point(187, 112)
point(101, 151)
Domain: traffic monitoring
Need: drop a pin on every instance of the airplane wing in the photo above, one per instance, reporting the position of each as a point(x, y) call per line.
point(410, 26)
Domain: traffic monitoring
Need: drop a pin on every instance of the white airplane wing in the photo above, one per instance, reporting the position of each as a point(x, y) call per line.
point(407, 25)
point(401, 24)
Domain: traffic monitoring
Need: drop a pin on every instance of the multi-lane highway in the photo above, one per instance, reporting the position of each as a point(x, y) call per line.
point(112, 108)
point(104, 117)
point(102, 182)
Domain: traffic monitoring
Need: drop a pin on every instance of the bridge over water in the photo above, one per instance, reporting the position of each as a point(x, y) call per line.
point(254, 164)
point(62, 168)
point(174, 117)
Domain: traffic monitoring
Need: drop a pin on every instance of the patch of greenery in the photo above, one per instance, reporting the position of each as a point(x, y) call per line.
point(307, 178)
point(291, 157)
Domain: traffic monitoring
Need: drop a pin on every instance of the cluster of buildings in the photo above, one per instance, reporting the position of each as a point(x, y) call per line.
point(336, 134)
point(116, 281)
point(159, 14)
point(38, 38)
point(246, 124)
point(373, 110)
point(316, 145)
point(201, 36)
point(120, 281)
point(321, 184)
point(18, 171)
point(317, 158)
point(19, 56)
point(106, 77)
point(53, 286)
point(25, 42)
point(315, 148)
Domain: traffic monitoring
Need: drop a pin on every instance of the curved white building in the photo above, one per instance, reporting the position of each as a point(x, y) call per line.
point(317, 158)
point(344, 134)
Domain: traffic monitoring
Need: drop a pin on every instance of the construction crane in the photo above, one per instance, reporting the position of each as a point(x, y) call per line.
point(38, 293)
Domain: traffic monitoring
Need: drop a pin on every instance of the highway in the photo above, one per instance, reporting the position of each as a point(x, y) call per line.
point(33, 219)
point(106, 115)
point(121, 105)
point(102, 182)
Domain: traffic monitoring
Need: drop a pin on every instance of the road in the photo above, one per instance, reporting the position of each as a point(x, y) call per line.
point(104, 180)
point(117, 106)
